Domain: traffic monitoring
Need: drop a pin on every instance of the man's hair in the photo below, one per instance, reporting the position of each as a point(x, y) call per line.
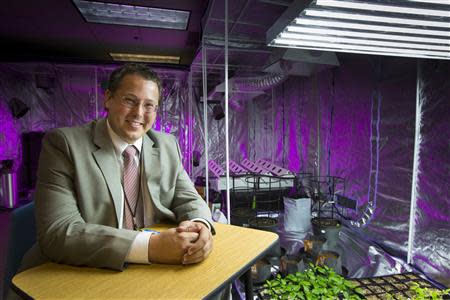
point(133, 68)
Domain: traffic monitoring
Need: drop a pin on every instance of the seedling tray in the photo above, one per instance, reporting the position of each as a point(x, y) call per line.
point(383, 287)
point(398, 286)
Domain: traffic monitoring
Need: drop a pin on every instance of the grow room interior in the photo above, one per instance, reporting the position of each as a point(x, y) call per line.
point(344, 103)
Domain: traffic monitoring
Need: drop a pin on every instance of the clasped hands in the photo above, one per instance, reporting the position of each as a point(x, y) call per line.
point(189, 243)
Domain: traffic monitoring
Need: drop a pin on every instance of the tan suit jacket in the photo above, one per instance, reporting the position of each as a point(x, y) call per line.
point(79, 194)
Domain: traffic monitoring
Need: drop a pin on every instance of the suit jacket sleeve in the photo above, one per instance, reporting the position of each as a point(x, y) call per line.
point(63, 234)
point(187, 203)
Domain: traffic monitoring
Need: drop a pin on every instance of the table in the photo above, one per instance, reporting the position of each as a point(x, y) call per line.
point(236, 249)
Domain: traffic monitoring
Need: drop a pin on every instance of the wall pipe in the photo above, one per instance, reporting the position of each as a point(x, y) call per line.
point(417, 139)
point(189, 123)
point(205, 118)
point(227, 146)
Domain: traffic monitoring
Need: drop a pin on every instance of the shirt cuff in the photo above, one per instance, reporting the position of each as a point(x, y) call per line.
point(138, 253)
point(203, 221)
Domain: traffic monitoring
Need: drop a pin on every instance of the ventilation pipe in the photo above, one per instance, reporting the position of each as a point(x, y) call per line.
point(259, 83)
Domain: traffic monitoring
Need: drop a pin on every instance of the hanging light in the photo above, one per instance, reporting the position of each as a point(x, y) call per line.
point(408, 28)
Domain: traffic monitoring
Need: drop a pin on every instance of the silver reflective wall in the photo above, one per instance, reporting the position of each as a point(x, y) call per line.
point(431, 247)
point(356, 121)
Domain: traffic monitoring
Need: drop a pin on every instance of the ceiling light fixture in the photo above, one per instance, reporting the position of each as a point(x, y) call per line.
point(351, 25)
point(362, 49)
point(365, 41)
point(363, 34)
point(383, 7)
point(386, 27)
point(443, 2)
point(371, 52)
point(374, 18)
point(111, 13)
point(166, 59)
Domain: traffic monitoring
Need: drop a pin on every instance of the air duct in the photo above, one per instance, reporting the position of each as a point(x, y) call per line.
point(259, 83)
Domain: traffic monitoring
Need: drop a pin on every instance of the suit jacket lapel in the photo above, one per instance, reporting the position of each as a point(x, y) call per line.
point(152, 167)
point(106, 159)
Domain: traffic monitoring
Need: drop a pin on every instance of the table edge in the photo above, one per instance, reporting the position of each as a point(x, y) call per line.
point(243, 269)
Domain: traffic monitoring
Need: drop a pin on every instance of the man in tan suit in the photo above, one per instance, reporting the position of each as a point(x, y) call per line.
point(83, 213)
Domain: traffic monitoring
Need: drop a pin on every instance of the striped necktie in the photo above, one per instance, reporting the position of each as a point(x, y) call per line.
point(130, 187)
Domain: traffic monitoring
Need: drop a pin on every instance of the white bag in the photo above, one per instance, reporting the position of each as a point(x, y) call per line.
point(297, 214)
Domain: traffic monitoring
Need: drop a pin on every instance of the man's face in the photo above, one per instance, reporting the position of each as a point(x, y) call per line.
point(131, 110)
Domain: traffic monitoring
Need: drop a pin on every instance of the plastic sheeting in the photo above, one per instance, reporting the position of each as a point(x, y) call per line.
point(369, 141)
point(360, 257)
point(240, 136)
point(295, 109)
point(173, 116)
point(58, 95)
point(61, 95)
point(431, 246)
point(357, 122)
point(9, 135)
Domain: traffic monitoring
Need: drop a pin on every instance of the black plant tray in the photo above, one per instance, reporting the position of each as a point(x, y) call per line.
point(378, 287)
point(395, 285)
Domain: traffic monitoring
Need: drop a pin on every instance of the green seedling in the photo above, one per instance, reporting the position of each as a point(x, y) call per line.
point(317, 282)
point(426, 293)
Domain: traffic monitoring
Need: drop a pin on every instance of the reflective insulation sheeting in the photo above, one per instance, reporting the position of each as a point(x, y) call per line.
point(295, 111)
point(356, 121)
point(431, 240)
point(239, 135)
point(360, 121)
point(370, 142)
point(61, 95)
point(357, 136)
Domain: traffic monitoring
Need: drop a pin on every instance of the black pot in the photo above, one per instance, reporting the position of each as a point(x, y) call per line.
point(261, 271)
point(328, 228)
point(291, 264)
point(314, 244)
point(274, 260)
point(331, 259)
point(267, 224)
point(240, 215)
point(275, 250)
point(264, 223)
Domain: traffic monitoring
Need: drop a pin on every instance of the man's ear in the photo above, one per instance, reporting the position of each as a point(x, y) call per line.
point(107, 100)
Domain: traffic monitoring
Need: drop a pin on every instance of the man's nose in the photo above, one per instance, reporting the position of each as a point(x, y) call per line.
point(139, 109)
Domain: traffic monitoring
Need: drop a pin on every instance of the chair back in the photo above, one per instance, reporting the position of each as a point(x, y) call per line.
point(21, 237)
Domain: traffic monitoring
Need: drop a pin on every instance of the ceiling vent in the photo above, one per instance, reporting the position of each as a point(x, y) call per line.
point(299, 62)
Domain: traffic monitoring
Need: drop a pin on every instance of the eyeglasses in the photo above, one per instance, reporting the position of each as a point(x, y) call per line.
point(132, 103)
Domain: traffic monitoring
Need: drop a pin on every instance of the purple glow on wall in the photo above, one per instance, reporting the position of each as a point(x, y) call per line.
point(432, 218)
point(305, 130)
point(434, 212)
point(421, 259)
point(157, 125)
point(331, 114)
point(243, 150)
point(293, 156)
point(279, 123)
point(434, 193)
point(9, 135)
point(168, 127)
point(102, 114)
point(349, 118)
